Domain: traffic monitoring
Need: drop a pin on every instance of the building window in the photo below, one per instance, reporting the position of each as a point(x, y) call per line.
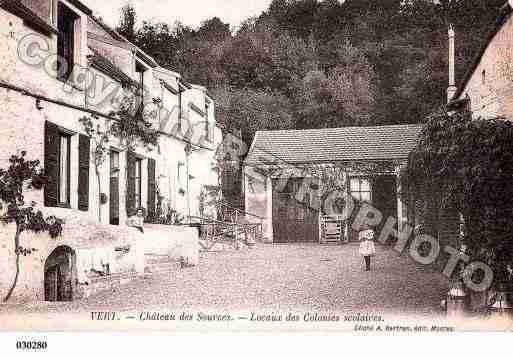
point(180, 109)
point(207, 131)
point(66, 20)
point(483, 77)
point(361, 189)
point(138, 183)
point(114, 188)
point(114, 163)
point(64, 169)
point(140, 69)
point(209, 128)
point(181, 174)
point(53, 10)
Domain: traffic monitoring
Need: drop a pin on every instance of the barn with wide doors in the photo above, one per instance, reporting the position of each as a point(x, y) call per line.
point(290, 178)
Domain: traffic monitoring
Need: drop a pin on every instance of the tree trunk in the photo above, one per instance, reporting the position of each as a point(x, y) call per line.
point(16, 247)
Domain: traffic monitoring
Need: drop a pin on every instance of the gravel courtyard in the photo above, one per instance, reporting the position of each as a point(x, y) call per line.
point(280, 277)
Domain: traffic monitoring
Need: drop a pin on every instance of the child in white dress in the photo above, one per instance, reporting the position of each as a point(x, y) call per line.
point(367, 248)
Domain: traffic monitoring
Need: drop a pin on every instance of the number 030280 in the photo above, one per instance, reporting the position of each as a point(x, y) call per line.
point(31, 345)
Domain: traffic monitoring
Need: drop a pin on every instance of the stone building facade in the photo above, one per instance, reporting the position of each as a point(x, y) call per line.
point(60, 64)
point(487, 84)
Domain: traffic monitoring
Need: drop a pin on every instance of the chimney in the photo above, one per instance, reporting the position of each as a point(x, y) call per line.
point(451, 90)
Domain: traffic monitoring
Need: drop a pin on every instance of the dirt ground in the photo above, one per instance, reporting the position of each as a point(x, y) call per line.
point(278, 277)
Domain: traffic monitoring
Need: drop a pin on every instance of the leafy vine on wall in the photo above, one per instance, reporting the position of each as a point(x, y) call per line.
point(468, 164)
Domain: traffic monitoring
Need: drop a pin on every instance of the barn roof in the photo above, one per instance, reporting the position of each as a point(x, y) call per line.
point(334, 144)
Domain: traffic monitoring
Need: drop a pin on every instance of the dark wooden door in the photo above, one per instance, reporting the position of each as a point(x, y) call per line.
point(58, 286)
point(114, 201)
point(293, 221)
point(51, 284)
point(385, 197)
point(114, 188)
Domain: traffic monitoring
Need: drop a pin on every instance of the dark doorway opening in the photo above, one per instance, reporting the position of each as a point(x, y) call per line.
point(385, 198)
point(60, 270)
point(114, 188)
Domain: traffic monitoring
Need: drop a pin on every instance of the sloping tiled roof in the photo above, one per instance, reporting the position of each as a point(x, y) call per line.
point(334, 144)
point(103, 64)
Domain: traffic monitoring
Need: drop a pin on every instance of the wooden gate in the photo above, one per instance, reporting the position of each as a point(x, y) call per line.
point(293, 221)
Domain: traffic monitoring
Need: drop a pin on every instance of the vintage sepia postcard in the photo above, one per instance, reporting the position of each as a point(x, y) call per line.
point(256, 166)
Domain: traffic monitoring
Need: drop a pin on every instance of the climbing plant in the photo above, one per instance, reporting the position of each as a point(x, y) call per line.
point(100, 139)
point(134, 123)
point(468, 164)
point(130, 125)
point(22, 175)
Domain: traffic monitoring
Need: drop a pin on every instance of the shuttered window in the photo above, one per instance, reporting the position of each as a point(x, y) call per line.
point(138, 183)
point(83, 172)
point(152, 187)
point(66, 21)
point(64, 169)
point(131, 202)
point(52, 145)
point(57, 166)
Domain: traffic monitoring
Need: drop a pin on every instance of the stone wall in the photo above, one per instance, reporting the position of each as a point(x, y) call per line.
point(23, 123)
point(22, 128)
point(490, 87)
point(90, 242)
point(177, 243)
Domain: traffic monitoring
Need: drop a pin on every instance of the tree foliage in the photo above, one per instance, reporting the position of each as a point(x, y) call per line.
point(127, 22)
point(329, 63)
point(470, 163)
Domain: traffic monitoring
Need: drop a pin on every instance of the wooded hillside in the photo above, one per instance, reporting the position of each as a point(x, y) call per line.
point(314, 64)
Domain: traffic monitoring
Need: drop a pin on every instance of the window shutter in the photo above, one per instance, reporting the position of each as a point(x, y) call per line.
point(152, 187)
point(83, 172)
point(130, 183)
point(52, 149)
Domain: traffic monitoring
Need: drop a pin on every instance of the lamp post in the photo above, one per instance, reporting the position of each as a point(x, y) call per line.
point(457, 303)
point(501, 306)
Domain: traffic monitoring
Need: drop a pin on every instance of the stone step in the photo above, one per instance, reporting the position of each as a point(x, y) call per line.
point(107, 283)
point(115, 278)
point(152, 259)
point(162, 267)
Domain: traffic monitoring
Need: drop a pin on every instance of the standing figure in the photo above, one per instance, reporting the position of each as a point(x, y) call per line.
point(367, 248)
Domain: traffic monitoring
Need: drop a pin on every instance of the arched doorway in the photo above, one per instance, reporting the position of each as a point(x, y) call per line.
point(59, 273)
